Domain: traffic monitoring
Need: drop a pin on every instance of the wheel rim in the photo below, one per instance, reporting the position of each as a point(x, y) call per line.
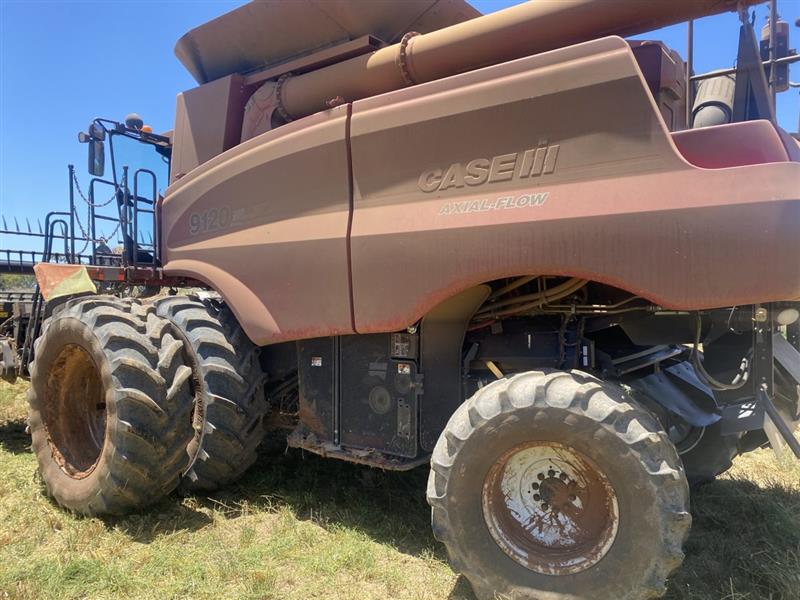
point(75, 418)
point(550, 508)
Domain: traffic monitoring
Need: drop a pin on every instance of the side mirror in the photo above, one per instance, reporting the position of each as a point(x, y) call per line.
point(97, 157)
point(97, 132)
point(97, 154)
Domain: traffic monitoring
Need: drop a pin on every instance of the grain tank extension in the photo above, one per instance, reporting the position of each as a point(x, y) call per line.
point(550, 262)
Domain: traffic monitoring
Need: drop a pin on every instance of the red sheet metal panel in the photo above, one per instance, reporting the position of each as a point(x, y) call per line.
point(554, 164)
point(470, 195)
point(265, 223)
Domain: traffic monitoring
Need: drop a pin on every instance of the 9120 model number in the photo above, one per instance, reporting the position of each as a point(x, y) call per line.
point(210, 220)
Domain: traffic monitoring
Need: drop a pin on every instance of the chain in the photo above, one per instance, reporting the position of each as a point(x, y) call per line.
point(80, 226)
point(111, 235)
point(103, 238)
point(83, 231)
point(85, 199)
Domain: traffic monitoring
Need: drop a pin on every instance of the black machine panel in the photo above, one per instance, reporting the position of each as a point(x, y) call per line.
point(317, 365)
point(379, 394)
point(361, 391)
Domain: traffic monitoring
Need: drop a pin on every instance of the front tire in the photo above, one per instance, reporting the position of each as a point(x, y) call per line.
point(553, 485)
point(230, 402)
point(109, 406)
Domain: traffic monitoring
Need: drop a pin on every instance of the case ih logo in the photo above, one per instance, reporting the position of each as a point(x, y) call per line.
point(519, 165)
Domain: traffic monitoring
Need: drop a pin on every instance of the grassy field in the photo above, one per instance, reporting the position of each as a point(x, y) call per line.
point(301, 527)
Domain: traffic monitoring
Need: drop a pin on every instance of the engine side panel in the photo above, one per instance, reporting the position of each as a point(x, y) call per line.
point(560, 164)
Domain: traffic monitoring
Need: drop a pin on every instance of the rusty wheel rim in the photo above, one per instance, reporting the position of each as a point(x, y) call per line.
point(75, 417)
point(550, 508)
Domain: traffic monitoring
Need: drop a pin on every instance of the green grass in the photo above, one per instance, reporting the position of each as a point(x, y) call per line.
point(302, 527)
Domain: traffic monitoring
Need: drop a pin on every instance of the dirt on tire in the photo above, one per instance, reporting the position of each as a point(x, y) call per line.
point(595, 420)
point(230, 400)
point(109, 406)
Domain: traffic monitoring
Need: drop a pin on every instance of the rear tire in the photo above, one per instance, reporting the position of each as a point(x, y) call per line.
point(109, 406)
point(711, 456)
point(595, 473)
point(230, 405)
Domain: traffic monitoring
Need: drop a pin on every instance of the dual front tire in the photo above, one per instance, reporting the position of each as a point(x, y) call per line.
point(131, 400)
point(110, 406)
point(230, 404)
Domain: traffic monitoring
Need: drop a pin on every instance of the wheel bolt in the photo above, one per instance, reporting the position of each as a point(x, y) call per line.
point(537, 497)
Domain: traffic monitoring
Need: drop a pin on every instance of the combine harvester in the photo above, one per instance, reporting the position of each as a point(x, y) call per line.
point(547, 261)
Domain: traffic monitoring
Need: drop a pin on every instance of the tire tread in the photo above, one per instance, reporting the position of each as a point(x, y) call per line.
point(231, 381)
point(581, 395)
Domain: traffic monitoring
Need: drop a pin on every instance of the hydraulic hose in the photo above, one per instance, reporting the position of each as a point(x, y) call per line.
point(739, 381)
point(521, 304)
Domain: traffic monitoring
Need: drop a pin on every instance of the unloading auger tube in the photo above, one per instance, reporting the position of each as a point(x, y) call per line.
point(508, 34)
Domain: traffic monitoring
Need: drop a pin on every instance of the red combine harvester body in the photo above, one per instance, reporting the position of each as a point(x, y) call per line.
point(550, 262)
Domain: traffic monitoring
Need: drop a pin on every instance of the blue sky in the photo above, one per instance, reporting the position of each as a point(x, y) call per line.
point(64, 62)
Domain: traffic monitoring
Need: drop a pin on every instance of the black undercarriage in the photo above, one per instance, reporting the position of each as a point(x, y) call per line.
point(383, 399)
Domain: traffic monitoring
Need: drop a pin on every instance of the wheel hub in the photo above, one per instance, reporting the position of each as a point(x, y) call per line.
point(75, 417)
point(550, 508)
point(557, 493)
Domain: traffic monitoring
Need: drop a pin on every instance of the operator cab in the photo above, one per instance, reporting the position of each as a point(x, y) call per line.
point(133, 188)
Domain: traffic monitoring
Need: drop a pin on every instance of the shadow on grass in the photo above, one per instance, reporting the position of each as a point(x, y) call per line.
point(745, 540)
point(165, 518)
point(389, 507)
point(744, 544)
point(461, 590)
point(13, 438)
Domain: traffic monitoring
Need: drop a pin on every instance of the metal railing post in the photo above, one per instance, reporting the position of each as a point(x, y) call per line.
point(773, 53)
point(689, 69)
point(71, 169)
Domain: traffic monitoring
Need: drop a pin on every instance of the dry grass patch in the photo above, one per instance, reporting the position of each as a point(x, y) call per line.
point(300, 527)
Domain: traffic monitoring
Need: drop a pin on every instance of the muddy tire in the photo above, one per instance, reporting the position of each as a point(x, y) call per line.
point(593, 473)
point(109, 406)
point(231, 404)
